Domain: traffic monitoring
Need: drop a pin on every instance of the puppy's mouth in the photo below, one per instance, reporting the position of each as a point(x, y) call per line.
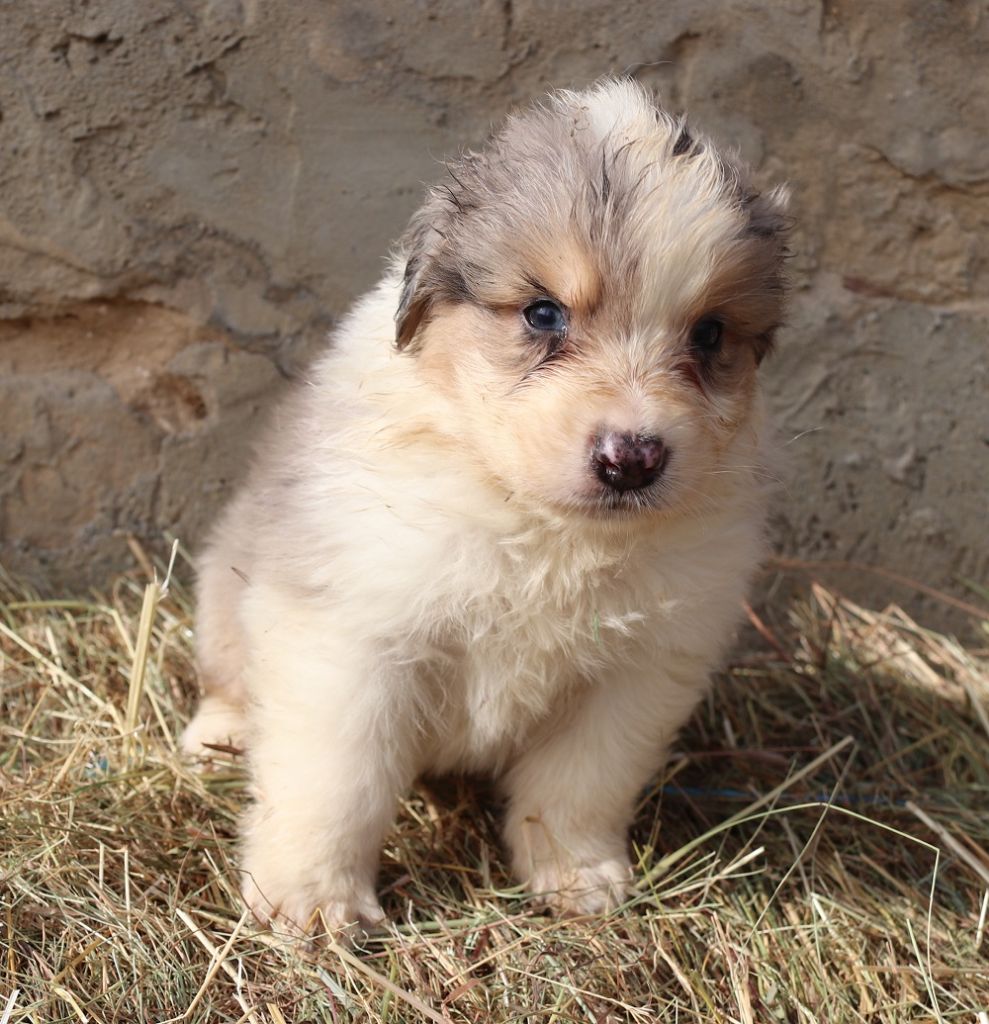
point(605, 503)
point(644, 500)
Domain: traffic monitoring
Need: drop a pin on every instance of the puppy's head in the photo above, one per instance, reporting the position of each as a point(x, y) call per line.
point(593, 294)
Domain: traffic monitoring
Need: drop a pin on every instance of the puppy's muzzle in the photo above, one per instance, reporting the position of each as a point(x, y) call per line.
point(627, 462)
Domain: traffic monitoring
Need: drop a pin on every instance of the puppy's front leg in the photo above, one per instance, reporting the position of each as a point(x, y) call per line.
point(331, 756)
point(571, 796)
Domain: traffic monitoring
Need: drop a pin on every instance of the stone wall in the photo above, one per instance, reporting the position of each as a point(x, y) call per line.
point(192, 193)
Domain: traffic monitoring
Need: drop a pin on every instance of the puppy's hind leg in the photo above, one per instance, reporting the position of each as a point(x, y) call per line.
point(216, 726)
point(220, 655)
point(571, 795)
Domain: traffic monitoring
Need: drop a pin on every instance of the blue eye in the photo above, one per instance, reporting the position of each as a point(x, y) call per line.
point(545, 315)
point(706, 335)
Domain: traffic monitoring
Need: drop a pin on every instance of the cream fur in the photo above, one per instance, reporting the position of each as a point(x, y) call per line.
point(420, 575)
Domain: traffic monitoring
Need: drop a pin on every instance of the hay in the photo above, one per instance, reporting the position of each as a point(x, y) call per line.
point(815, 851)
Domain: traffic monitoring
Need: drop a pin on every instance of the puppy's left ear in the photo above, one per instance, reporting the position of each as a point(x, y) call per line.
point(770, 223)
point(768, 212)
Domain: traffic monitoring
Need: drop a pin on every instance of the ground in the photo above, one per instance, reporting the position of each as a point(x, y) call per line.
point(815, 851)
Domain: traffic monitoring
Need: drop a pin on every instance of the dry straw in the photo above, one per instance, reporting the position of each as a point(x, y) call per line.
point(816, 850)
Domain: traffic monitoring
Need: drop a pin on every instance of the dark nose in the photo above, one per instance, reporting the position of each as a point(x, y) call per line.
point(627, 462)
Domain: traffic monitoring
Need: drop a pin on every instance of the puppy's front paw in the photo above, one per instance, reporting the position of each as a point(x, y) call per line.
point(289, 892)
point(574, 889)
point(572, 871)
point(304, 914)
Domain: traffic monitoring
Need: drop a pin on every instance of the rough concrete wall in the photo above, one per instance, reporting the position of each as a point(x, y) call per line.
point(191, 194)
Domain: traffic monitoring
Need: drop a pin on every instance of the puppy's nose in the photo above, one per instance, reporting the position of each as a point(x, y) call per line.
point(627, 462)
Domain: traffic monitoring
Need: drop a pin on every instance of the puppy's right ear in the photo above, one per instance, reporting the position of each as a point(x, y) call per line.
point(412, 305)
point(423, 244)
point(435, 261)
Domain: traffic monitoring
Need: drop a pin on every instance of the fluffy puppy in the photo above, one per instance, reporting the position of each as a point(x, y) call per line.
point(508, 524)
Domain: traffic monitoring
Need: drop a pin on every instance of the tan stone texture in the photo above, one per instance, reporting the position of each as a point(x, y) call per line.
point(191, 194)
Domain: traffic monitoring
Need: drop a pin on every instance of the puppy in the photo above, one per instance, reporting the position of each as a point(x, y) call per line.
point(508, 524)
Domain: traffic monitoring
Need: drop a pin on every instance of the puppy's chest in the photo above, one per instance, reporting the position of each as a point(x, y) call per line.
point(523, 645)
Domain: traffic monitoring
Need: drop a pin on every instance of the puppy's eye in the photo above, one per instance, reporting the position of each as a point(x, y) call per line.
point(707, 335)
point(545, 315)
